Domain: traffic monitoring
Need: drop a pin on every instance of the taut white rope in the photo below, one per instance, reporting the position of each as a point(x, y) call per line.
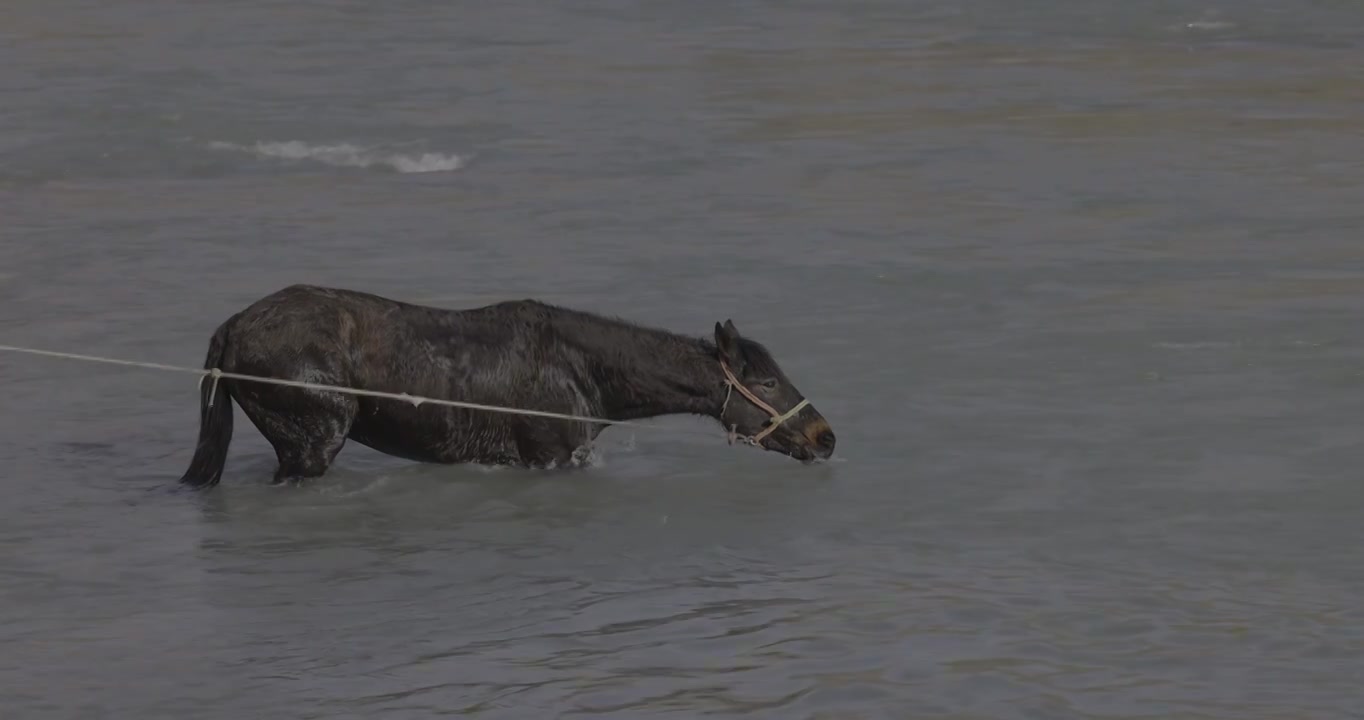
point(414, 400)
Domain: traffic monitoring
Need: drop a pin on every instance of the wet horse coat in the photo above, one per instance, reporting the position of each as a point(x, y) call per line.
point(521, 354)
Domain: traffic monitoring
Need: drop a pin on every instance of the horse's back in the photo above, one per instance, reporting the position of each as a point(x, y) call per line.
point(376, 342)
point(298, 320)
point(307, 305)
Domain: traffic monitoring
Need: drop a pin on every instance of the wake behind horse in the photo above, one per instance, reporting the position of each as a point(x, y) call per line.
point(518, 354)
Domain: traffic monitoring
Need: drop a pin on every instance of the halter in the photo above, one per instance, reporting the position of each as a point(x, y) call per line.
point(776, 417)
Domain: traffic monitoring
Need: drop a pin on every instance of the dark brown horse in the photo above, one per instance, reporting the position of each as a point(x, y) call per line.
point(522, 354)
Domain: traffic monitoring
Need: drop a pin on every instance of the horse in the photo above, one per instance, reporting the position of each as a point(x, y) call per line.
point(522, 354)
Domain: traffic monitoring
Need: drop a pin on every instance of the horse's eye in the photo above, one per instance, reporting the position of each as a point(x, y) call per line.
point(770, 384)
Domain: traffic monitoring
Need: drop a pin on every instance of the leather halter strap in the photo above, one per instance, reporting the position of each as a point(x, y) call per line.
point(776, 418)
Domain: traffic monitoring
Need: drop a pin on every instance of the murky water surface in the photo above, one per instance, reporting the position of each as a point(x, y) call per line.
point(1079, 285)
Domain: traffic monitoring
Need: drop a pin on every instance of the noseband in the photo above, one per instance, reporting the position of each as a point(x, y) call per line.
point(776, 417)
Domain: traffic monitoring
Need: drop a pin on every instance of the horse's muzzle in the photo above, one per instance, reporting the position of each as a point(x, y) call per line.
point(819, 439)
point(823, 446)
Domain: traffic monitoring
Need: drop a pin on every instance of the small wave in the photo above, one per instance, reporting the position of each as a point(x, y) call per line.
point(1205, 25)
point(346, 155)
point(1208, 25)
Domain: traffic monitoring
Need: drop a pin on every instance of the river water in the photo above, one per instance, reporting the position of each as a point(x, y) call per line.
point(1077, 282)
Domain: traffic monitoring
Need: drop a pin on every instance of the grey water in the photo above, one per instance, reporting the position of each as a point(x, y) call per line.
point(1078, 283)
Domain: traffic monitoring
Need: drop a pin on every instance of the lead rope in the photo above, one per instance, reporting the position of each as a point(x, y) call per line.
point(415, 400)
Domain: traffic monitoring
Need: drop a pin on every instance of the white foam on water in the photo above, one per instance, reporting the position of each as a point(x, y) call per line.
point(347, 155)
point(1204, 25)
point(1207, 25)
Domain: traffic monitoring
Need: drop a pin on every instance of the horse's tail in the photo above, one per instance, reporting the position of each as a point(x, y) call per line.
point(215, 419)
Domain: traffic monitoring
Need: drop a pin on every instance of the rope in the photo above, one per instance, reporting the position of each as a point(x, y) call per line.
point(414, 400)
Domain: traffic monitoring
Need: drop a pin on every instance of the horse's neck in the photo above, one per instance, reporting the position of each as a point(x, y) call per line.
point(646, 373)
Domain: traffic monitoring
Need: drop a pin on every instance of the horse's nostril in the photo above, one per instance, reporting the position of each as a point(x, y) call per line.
point(826, 439)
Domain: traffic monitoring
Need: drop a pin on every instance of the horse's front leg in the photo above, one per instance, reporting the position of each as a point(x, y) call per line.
point(544, 444)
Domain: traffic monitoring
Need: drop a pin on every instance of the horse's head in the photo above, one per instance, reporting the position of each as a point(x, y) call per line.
point(761, 404)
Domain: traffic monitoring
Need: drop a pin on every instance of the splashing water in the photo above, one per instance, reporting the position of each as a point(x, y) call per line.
point(347, 155)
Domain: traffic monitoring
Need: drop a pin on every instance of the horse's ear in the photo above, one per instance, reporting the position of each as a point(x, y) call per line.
point(727, 341)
